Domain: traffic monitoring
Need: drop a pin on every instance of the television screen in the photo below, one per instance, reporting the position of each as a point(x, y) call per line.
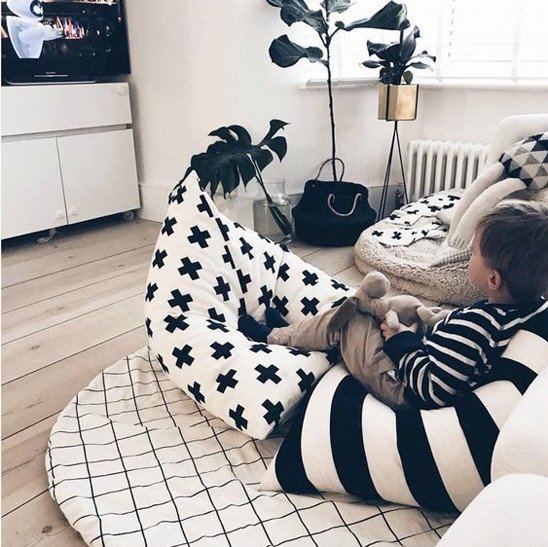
point(69, 40)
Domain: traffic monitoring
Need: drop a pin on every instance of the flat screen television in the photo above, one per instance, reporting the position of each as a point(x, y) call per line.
point(63, 41)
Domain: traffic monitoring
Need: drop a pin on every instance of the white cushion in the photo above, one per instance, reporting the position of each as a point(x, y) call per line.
point(522, 445)
point(206, 271)
point(510, 512)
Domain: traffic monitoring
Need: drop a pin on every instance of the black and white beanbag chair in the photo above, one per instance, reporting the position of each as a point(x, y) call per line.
point(206, 271)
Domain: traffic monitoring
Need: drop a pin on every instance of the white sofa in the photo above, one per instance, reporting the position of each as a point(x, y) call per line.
point(513, 510)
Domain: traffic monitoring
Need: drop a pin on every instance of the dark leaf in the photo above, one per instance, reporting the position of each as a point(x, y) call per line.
point(294, 11)
point(409, 45)
point(242, 134)
point(424, 55)
point(284, 52)
point(246, 169)
point(222, 133)
point(371, 64)
point(275, 126)
point(336, 6)
point(261, 157)
point(275, 3)
point(278, 145)
point(418, 64)
point(389, 52)
point(392, 16)
point(316, 20)
point(408, 76)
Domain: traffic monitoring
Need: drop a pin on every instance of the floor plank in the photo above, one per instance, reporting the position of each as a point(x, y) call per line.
point(29, 399)
point(49, 286)
point(67, 259)
point(43, 348)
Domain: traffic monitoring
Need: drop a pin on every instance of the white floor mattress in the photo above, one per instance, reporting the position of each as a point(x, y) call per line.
point(133, 461)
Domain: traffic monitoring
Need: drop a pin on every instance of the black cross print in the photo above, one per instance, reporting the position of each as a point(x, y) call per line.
point(433, 208)
point(424, 232)
point(237, 416)
point(413, 212)
point(393, 217)
point(338, 285)
point(215, 315)
point(453, 198)
point(227, 258)
point(221, 350)
point(159, 258)
point(174, 323)
point(151, 289)
point(274, 411)
point(396, 235)
point(306, 380)
point(310, 278)
point(310, 306)
point(246, 248)
point(161, 361)
point(226, 380)
point(266, 296)
point(280, 304)
point(167, 228)
point(180, 300)
point(269, 262)
point(183, 356)
point(256, 348)
point(268, 373)
point(223, 228)
point(204, 207)
point(177, 195)
point(283, 246)
point(376, 233)
point(338, 302)
point(213, 325)
point(244, 280)
point(242, 308)
point(282, 272)
point(297, 351)
point(222, 288)
point(197, 394)
point(199, 236)
point(148, 322)
point(190, 268)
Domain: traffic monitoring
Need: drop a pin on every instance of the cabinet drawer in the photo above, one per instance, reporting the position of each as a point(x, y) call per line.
point(99, 174)
point(32, 193)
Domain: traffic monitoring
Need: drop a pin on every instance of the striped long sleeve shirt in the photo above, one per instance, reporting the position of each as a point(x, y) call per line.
point(458, 351)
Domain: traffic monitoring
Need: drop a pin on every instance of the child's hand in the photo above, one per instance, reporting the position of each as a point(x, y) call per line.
point(387, 332)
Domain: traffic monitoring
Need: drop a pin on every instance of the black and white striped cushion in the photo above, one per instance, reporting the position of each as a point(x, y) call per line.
point(206, 271)
point(346, 441)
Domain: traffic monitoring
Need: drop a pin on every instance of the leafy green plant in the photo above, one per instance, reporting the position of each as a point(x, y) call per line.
point(397, 59)
point(285, 53)
point(234, 159)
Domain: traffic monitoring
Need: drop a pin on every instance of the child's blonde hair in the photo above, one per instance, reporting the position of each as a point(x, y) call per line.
point(514, 242)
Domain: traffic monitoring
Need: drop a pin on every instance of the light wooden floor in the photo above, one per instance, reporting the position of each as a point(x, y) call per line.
point(70, 308)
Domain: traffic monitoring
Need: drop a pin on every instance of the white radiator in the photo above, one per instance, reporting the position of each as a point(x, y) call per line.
point(442, 165)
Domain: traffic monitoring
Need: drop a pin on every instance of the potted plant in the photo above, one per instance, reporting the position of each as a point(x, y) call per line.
point(234, 159)
point(397, 60)
point(285, 53)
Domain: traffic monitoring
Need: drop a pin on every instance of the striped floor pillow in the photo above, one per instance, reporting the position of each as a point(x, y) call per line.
point(346, 441)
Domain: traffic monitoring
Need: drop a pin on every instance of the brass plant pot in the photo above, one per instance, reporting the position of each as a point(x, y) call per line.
point(398, 102)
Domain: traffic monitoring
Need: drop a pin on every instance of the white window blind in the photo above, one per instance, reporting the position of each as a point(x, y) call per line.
point(472, 39)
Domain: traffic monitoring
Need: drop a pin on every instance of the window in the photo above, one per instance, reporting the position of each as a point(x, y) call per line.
point(472, 39)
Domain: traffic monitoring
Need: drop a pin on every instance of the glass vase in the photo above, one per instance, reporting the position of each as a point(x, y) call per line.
point(273, 220)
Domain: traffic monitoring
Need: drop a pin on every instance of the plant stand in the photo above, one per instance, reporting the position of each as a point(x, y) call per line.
point(384, 194)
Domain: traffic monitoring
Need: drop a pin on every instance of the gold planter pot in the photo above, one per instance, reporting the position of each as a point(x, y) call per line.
point(398, 102)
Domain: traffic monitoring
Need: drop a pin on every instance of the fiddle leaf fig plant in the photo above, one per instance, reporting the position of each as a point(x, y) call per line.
point(397, 59)
point(234, 159)
point(285, 53)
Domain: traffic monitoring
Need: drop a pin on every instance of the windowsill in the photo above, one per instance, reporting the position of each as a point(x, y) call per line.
point(480, 84)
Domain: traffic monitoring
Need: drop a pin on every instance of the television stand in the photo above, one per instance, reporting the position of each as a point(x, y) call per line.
point(67, 155)
point(46, 79)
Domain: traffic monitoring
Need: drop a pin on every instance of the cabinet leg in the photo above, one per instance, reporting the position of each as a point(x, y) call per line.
point(128, 215)
point(47, 238)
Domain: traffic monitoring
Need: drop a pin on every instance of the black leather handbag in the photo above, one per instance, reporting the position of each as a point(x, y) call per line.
point(332, 213)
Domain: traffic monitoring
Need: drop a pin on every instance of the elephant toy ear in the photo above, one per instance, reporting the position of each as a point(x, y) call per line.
point(342, 315)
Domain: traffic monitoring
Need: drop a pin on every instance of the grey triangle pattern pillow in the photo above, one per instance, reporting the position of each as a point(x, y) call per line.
point(527, 160)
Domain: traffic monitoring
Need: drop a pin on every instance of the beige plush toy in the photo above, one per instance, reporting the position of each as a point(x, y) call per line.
point(370, 297)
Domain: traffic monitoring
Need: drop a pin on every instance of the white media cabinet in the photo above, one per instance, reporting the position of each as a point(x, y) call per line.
point(67, 155)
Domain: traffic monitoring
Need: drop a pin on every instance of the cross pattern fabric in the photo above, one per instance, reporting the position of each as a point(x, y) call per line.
point(347, 441)
point(527, 160)
point(132, 461)
point(207, 270)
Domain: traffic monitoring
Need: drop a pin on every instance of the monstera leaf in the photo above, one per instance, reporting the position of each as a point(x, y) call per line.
point(234, 158)
point(284, 52)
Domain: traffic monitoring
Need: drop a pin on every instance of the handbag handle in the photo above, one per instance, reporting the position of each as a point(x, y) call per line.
point(331, 197)
point(329, 161)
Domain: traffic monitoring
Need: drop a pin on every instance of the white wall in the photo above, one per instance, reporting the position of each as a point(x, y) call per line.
point(200, 64)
